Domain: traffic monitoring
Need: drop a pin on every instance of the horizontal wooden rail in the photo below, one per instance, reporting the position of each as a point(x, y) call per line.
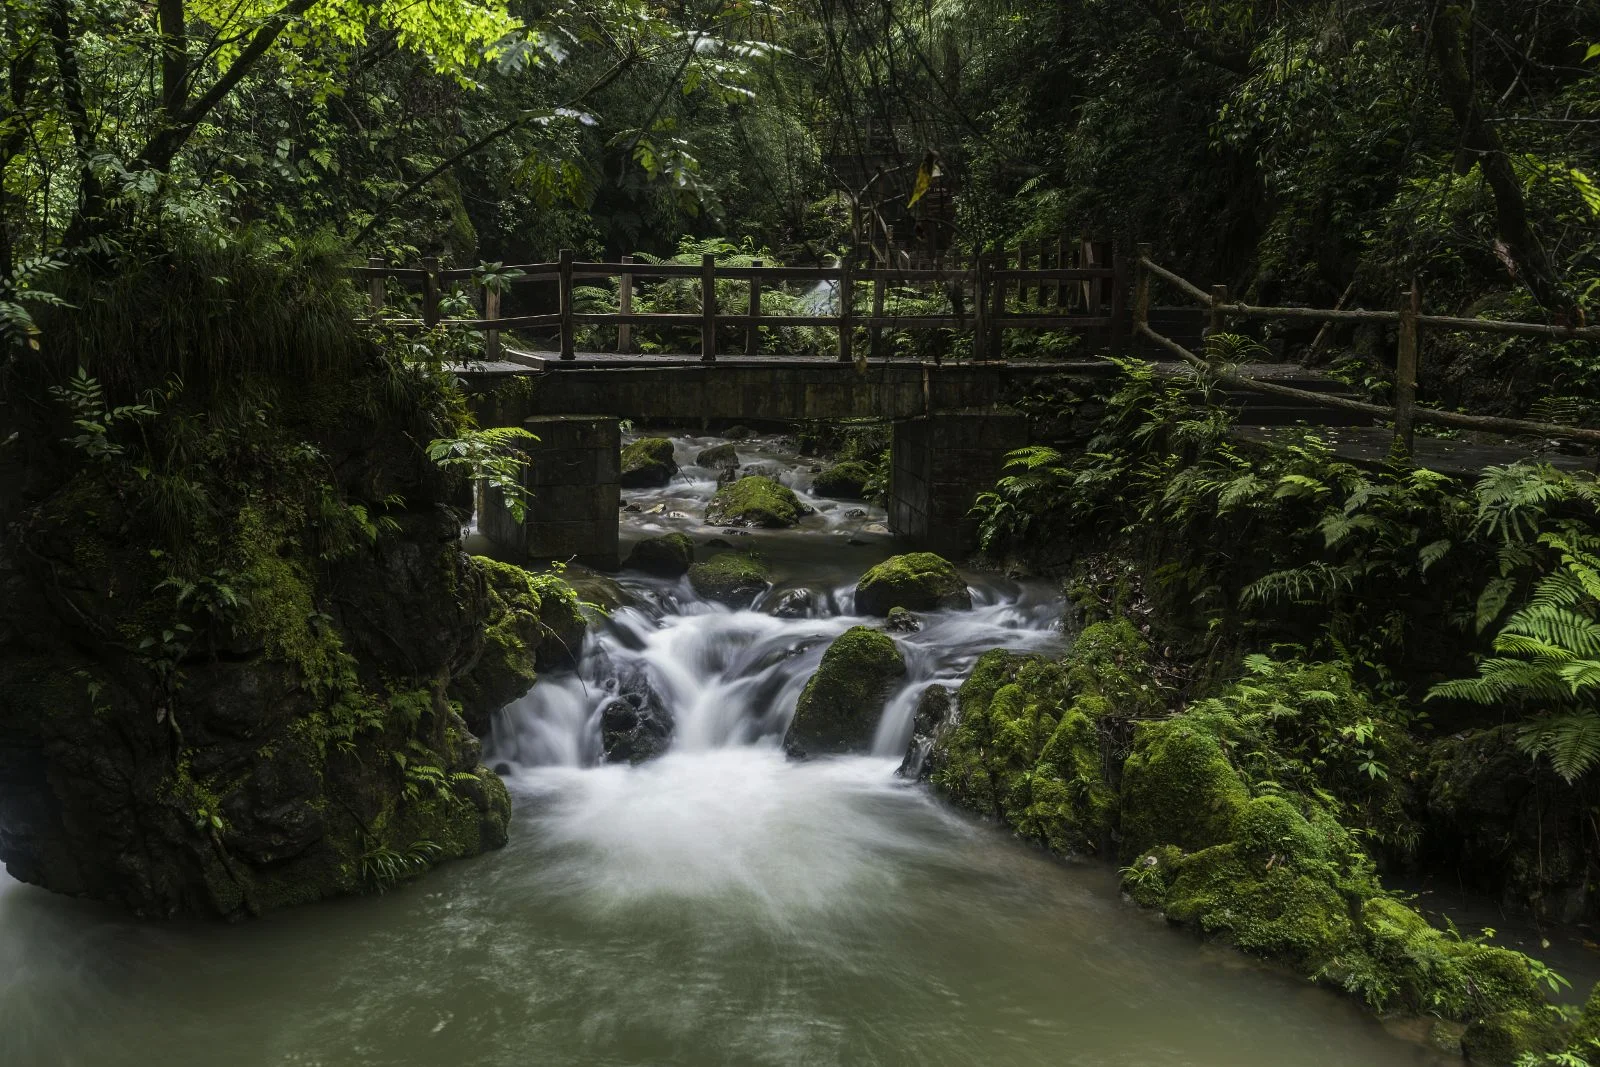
point(993, 294)
point(1410, 320)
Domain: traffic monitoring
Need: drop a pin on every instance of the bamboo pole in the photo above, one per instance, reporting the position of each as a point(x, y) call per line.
point(625, 307)
point(752, 333)
point(564, 302)
point(708, 308)
point(1141, 290)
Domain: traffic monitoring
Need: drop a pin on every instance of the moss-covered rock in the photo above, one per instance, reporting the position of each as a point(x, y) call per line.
point(1499, 1040)
point(1027, 746)
point(1178, 788)
point(648, 462)
point(839, 709)
point(847, 480)
point(732, 578)
point(669, 555)
point(718, 457)
point(754, 501)
point(917, 581)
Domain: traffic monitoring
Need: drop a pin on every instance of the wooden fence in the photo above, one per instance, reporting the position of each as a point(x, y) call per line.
point(1408, 354)
point(1001, 289)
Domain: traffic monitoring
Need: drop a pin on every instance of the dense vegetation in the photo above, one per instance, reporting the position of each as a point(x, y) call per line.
point(205, 454)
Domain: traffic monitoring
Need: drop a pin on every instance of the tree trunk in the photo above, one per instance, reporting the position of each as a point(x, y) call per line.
point(1531, 263)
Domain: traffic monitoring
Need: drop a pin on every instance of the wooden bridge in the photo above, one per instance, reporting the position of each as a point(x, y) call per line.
point(951, 429)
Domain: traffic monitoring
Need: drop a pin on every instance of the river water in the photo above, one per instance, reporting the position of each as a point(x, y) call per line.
point(720, 905)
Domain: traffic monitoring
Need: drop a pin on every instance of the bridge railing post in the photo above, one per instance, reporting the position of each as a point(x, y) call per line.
point(1141, 289)
point(878, 286)
point(1063, 262)
point(980, 306)
point(846, 298)
point(1407, 356)
point(1217, 319)
point(752, 333)
point(1119, 297)
point(491, 311)
point(430, 291)
point(994, 344)
point(376, 292)
point(564, 306)
point(708, 308)
point(625, 307)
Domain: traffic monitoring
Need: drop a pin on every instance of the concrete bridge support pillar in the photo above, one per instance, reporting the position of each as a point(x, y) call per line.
point(573, 478)
point(942, 462)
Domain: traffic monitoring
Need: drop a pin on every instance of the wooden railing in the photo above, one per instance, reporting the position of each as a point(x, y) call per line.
point(997, 292)
point(1408, 353)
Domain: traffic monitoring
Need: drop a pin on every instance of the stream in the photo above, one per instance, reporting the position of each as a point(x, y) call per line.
point(719, 905)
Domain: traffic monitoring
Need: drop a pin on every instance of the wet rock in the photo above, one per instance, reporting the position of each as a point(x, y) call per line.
point(936, 714)
point(839, 709)
point(648, 462)
point(794, 604)
point(727, 476)
point(846, 481)
point(632, 508)
point(754, 501)
point(718, 457)
point(917, 581)
point(669, 555)
point(717, 542)
point(856, 513)
point(901, 621)
point(761, 470)
point(634, 728)
point(814, 470)
point(730, 578)
point(875, 528)
point(599, 590)
point(738, 433)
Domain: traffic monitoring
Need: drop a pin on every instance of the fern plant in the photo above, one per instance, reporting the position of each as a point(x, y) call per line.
point(1546, 660)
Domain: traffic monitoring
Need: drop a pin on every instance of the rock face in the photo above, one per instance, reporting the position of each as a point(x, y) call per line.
point(839, 709)
point(918, 581)
point(534, 622)
point(668, 555)
point(721, 457)
point(280, 734)
point(847, 481)
point(730, 578)
point(647, 463)
point(936, 715)
point(754, 501)
point(635, 725)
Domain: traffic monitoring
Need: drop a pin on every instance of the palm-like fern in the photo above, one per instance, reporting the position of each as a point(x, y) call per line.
point(1547, 653)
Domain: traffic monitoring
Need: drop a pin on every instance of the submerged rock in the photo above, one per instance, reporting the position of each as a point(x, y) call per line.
point(754, 501)
point(718, 457)
point(917, 581)
point(730, 578)
point(648, 462)
point(668, 555)
point(847, 481)
point(840, 706)
point(794, 604)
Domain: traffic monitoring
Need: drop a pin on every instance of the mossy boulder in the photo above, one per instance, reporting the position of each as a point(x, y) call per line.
point(718, 457)
point(754, 501)
point(669, 555)
point(1027, 745)
point(839, 709)
point(847, 480)
point(732, 578)
point(648, 462)
point(1178, 788)
point(1499, 1040)
point(917, 581)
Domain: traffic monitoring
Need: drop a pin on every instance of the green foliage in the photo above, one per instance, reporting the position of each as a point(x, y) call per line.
point(491, 456)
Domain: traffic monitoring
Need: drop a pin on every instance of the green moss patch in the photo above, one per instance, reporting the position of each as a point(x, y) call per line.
point(841, 704)
point(917, 581)
point(648, 462)
point(847, 480)
point(731, 578)
point(754, 501)
point(669, 555)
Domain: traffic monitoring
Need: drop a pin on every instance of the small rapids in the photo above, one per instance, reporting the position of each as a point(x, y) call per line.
point(719, 905)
